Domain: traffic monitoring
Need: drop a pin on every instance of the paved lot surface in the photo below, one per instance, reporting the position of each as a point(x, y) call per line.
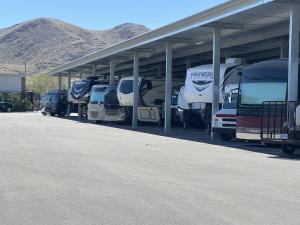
point(55, 171)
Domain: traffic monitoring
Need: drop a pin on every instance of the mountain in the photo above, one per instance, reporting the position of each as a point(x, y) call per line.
point(46, 43)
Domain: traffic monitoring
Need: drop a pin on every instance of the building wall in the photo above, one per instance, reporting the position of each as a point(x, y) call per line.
point(11, 83)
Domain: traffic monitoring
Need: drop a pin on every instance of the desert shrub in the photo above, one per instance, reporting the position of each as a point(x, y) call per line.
point(20, 103)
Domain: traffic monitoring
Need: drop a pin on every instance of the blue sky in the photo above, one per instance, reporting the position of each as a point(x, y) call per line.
point(102, 14)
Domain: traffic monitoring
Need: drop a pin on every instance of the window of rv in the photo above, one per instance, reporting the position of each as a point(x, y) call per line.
point(126, 87)
point(97, 95)
point(257, 93)
point(263, 83)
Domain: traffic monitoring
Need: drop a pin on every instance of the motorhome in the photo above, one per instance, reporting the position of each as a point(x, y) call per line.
point(80, 92)
point(104, 105)
point(224, 121)
point(55, 103)
point(260, 82)
point(96, 103)
point(113, 111)
point(195, 98)
point(151, 97)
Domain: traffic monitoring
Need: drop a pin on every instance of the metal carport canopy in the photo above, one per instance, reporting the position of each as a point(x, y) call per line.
point(240, 20)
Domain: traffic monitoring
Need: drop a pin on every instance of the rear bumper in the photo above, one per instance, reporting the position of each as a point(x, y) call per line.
point(224, 130)
point(248, 136)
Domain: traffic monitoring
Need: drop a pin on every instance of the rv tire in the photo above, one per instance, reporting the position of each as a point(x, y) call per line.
point(288, 149)
point(226, 137)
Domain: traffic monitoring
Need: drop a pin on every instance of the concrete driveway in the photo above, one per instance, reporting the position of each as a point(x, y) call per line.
point(56, 171)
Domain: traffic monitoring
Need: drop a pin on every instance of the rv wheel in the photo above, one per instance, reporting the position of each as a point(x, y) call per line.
point(52, 114)
point(288, 149)
point(226, 137)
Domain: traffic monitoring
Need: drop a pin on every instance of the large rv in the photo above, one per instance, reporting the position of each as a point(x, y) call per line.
point(104, 105)
point(224, 121)
point(151, 97)
point(260, 82)
point(195, 98)
point(55, 103)
point(80, 92)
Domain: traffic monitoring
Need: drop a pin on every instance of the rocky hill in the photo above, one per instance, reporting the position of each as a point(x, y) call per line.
point(45, 43)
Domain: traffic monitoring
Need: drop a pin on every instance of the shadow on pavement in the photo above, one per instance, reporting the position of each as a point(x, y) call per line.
point(201, 137)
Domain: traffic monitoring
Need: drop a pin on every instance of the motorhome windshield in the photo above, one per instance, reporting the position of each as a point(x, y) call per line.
point(257, 93)
point(52, 97)
point(126, 87)
point(97, 95)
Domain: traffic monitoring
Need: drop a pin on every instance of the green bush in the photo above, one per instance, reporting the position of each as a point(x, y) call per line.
point(19, 102)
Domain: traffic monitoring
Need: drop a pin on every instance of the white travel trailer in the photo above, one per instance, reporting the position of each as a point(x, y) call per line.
point(152, 94)
point(195, 98)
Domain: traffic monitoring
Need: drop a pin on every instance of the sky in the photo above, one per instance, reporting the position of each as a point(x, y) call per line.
point(102, 14)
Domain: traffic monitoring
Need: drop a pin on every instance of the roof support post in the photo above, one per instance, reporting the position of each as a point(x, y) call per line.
point(168, 87)
point(69, 80)
point(293, 60)
point(216, 72)
point(284, 49)
point(80, 74)
point(136, 64)
point(59, 81)
point(188, 63)
point(111, 72)
point(94, 70)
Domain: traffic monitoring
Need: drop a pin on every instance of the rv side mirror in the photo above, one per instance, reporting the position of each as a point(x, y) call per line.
point(149, 85)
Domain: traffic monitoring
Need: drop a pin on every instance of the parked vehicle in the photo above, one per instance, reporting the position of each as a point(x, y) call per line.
point(104, 105)
point(151, 97)
point(6, 107)
point(80, 92)
point(260, 82)
point(96, 104)
point(55, 103)
point(224, 121)
point(113, 111)
point(195, 98)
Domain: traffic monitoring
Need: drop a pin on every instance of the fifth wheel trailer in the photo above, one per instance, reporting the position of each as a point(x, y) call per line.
point(151, 97)
point(195, 98)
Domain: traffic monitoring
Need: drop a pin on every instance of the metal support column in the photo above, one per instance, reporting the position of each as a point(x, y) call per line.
point(136, 65)
point(79, 105)
point(80, 74)
point(69, 86)
point(188, 63)
point(59, 81)
point(293, 60)
point(216, 72)
point(94, 70)
point(168, 87)
point(284, 49)
point(111, 72)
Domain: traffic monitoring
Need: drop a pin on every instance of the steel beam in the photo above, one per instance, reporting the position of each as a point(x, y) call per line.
point(94, 70)
point(168, 87)
point(80, 74)
point(59, 81)
point(284, 49)
point(216, 72)
point(293, 60)
point(135, 89)
point(111, 72)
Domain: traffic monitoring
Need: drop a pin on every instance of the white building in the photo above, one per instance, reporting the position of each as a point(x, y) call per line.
point(12, 83)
